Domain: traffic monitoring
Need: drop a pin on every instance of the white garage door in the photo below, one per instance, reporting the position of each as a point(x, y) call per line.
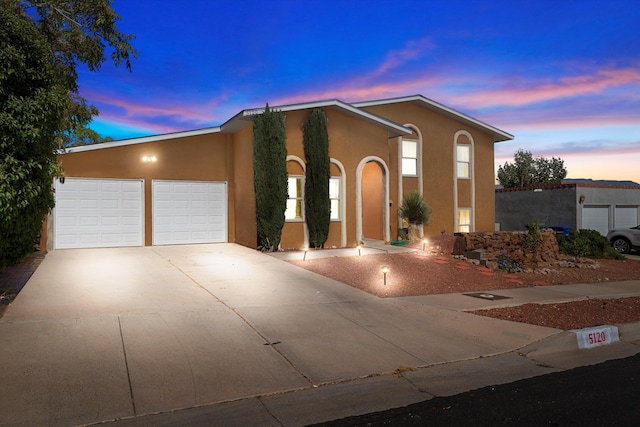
point(189, 212)
point(596, 218)
point(626, 216)
point(95, 213)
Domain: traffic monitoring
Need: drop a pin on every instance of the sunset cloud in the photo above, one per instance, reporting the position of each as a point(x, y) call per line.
point(536, 90)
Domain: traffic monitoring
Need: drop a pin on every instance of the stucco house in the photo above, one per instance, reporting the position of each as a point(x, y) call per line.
point(197, 186)
point(578, 204)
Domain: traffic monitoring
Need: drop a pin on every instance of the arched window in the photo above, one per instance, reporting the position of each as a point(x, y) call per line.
point(295, 197)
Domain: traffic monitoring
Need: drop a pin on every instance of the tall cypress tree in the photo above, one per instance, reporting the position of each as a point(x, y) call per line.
point(270, 176)
point(316, 185)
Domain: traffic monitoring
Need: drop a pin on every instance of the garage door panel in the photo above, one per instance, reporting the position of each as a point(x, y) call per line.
point(626, 216)
point(87, 186)
point(89, 221)
point(189, 212)
point(86, 203)
point(596, 218)
point(98, 213)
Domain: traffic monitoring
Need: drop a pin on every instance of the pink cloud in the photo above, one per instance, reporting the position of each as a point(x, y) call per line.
point(164, 109)
point(559, 118)
point(566, 87)
point(412, 50)
point(162, 117)
point(361, 89)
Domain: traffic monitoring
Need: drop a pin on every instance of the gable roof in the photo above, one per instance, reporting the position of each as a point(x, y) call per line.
point(246, 116)
point(497, 134)
point(356, 110)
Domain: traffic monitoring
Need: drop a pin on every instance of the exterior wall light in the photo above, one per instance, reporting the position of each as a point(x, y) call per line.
point(385, 271)
point(149, 159)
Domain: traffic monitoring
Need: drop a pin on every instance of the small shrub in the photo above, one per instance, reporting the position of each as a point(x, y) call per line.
point(533, 239)
point(587, 243)
point(508, 264)
point(414, 209)
point(416, 212)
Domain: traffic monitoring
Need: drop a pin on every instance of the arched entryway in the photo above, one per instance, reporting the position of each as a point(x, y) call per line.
point(373, 200)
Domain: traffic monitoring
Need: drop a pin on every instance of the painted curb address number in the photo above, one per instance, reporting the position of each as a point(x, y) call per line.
point(595, 337)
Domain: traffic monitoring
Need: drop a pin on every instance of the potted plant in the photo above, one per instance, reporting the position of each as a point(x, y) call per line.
point(416, 212)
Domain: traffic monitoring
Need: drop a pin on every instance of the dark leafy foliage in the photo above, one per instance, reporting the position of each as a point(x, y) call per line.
point(527, 170)
point(32, 105)
point(587, 243)
point(316, 186)
point(270, 177)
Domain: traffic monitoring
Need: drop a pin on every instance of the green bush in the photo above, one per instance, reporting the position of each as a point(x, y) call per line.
point(508, 264)
point(533, 239)
point(587, 243)
point(414, 209)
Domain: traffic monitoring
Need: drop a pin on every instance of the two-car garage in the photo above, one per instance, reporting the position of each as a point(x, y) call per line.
point(93, 212)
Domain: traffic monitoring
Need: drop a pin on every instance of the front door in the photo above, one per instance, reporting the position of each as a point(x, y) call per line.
point(372, 201)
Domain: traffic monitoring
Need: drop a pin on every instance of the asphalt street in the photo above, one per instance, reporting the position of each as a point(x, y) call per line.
point(598, 395)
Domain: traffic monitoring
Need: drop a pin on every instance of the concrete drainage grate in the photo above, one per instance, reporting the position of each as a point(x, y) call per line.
point(490, 297)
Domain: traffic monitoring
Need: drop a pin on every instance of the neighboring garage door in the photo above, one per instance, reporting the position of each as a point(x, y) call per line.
point(626, 217)
point(189, 212)
point(96, 213)
point(596, 218)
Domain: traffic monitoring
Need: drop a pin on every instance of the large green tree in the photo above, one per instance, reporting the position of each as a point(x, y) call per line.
point(270, 176)
point(32, 103)
point(41, 45)
point(315, 139)
point(528, 170)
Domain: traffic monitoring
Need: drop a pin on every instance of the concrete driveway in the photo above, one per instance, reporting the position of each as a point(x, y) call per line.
point(221, 333)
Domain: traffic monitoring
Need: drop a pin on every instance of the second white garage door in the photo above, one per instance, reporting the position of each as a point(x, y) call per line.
point(626, 217)
point(187, 212)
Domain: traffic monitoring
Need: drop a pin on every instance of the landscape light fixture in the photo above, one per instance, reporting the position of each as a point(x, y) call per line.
point(424, 244)
point(359, 247)
point(304, 257)
point(385, 270)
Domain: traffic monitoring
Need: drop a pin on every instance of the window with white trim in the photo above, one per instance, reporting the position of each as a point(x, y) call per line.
point(335, 184)
point(295, 199)
point(464, 220)
point(409, 157)
point(463, 159)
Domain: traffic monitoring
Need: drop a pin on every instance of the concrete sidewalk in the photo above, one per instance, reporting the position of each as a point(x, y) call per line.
point(221, 334)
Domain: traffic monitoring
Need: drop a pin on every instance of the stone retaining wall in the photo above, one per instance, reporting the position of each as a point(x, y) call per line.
point(489, 245)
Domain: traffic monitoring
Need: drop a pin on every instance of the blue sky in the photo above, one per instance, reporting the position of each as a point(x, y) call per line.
point(562, 76)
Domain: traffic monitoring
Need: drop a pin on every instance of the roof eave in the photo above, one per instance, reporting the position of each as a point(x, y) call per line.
point(141, 140)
